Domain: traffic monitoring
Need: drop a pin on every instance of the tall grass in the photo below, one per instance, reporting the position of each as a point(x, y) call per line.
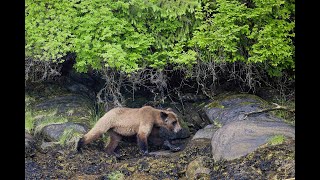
point(29, 121)
point(69, 136)
point(96, 112)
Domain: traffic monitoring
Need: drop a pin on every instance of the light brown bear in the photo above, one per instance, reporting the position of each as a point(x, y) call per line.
point(119, 122)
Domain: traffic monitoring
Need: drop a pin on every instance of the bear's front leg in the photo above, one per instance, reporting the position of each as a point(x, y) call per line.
point(143, 143)
point(142, 135)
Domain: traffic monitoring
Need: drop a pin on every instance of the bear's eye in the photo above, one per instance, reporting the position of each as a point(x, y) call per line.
point(174, 123)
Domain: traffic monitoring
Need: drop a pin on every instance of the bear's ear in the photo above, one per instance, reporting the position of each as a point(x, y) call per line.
point(163, 115)
point(169, 109)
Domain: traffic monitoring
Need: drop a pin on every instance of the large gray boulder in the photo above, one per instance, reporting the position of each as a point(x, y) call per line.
point(239, 134)
point(60, 135)
point(239, 138)
point(230, 108)
point(53, 132)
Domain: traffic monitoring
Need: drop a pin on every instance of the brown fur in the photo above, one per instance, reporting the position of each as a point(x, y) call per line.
point(120, 122)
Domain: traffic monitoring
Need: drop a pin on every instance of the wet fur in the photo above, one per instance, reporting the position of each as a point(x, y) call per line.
point(119, 122)
point(155, 139)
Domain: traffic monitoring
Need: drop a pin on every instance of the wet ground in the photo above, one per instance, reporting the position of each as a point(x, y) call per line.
point(64, 164)
point(270, 162)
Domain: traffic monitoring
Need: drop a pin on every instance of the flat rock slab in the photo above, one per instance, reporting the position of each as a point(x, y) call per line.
point(230, 108)
point(206, 133)
point(239, 138)
point(70, 106)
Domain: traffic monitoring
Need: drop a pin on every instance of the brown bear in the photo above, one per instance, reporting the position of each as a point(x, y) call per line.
point(120, 121)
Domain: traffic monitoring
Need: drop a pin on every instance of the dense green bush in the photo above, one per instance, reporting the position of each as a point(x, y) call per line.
point(257, 31)
point(127, 35)
point(130, 36)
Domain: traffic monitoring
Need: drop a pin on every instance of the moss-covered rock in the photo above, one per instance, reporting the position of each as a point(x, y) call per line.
point(73, 107)
point(227, 108)
point(199, 168)
point(54, 132)
point(54, 107)
point(51, 99)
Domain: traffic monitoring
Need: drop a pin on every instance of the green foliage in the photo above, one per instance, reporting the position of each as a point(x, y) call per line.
point(69, 135)
point(131, 35)
point(277, 139)
point(49, 29)
point(257, 31)
point(126, 35)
